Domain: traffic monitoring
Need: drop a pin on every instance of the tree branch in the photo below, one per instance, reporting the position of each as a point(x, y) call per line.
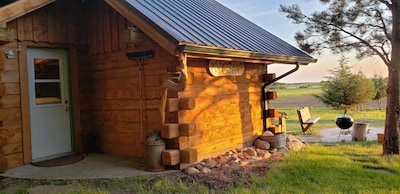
point(387, 3)
point(385, 29)
point(381, 55)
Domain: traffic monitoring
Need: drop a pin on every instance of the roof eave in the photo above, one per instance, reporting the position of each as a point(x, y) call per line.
point(151, 29)
point(225, 52)
point(20, 8)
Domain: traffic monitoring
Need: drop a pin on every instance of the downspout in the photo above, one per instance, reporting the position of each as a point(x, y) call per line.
point(263, 95)
point(139, 58)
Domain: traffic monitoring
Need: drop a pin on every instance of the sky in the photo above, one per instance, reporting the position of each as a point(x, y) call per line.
point(265, 14)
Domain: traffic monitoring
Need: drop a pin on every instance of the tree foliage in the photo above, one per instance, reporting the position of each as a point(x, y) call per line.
point(362, 26)
point(345, 89)
point(367, 27)
point(380, 84)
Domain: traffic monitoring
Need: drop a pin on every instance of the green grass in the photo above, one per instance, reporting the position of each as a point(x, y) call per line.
point(289, 92)
point(331, 168)
point(375, 118)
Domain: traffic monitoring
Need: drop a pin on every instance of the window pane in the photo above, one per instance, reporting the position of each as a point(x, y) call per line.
point(47, 68)
point(48, 93)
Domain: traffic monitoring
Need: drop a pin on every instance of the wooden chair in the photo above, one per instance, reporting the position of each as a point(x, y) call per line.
point(306, 121)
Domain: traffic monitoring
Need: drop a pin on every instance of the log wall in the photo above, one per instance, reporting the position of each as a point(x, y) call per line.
point(227, 112)
point(125, 99)
point(10, 112)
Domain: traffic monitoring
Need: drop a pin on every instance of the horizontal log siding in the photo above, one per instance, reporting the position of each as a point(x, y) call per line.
point(227, 112)
point(115, 99)
point(10, 110)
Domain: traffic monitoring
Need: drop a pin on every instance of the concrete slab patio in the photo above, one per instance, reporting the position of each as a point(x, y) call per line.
point(93, 166)
point(332, 135)
point(106, 166)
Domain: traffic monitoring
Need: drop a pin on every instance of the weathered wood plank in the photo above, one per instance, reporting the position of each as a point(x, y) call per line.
point(14, 160)
point(170, 157)
point(92, 27)
point(11, 126)
point(20, 27)
point(107, 28)
point(10, 114)
point(187, 129)
point(123, 116)
point(2, 89)
point(188, 155)
point(51, 23)
point(6, 35)
point(11, 149)
point(28, 28)
point(126, 104)
point(177, 143)
point(100, 26)
point(40, 26)
point(58, 25)
point(10, 76)
point(115, 32)
point(2, 61)
point(121, 26)
point(170, 131)
point(125, 150)
point(12, 88)
point(24, 102)
point(20, 8)
point(3, 164)
point(3, 141)
point(10, 101)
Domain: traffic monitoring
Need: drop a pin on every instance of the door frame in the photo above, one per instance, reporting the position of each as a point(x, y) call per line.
point(25, 104)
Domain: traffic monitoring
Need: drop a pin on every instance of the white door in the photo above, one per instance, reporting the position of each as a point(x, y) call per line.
point(49, 102)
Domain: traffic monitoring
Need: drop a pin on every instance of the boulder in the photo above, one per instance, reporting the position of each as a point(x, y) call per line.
point(261, 144)
point(294, 143)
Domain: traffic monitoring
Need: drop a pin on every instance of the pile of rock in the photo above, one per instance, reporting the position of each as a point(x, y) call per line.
point(244, 156)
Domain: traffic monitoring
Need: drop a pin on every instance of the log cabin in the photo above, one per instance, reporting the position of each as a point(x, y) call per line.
point(100, 74)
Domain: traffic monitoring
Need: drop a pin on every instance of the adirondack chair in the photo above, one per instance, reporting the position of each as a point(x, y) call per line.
point(306, 121)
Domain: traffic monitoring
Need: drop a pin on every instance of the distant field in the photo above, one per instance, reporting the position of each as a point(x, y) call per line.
point(295, 97)
point(297, 91)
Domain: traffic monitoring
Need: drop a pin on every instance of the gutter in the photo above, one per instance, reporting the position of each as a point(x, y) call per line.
point(263, 95)
point(226, 52)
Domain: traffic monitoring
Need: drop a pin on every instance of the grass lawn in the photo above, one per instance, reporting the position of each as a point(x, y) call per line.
point(331, 168)
point(298, 91)
point(375, 118)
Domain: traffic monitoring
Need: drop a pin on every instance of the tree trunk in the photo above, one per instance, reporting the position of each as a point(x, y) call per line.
point(391, 138)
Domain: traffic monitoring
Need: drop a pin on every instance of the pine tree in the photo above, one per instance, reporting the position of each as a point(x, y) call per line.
point(345, 89)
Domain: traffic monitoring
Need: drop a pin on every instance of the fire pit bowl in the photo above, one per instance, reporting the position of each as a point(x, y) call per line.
point(344, 121)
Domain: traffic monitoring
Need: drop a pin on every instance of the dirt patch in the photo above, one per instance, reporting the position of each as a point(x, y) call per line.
point(220, 178)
